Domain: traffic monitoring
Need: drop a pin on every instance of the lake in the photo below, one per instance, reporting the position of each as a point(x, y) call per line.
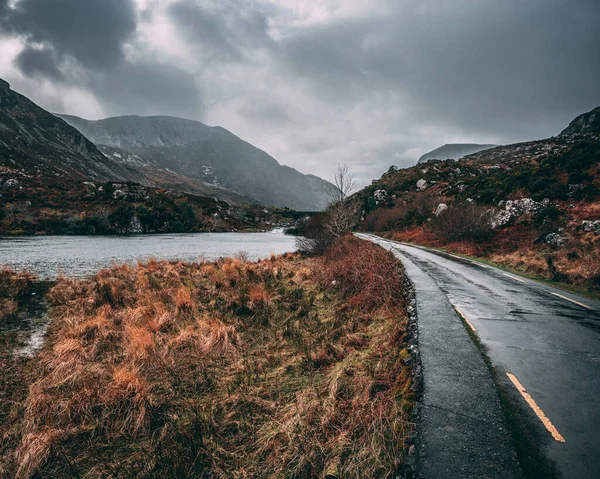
point(77, 256)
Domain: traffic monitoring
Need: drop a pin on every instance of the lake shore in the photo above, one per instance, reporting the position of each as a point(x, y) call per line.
point(230, 366)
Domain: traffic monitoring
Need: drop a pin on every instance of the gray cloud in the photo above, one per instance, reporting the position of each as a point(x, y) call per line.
point(320, 83)
point(91, 31)
point(223, 30)
point(32, 62)
point(511, 68)
point(148, 88)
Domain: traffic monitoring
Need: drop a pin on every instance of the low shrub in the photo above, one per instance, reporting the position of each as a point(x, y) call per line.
point(463, 222)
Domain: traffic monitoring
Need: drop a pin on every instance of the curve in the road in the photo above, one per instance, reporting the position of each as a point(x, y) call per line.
point(546, 339)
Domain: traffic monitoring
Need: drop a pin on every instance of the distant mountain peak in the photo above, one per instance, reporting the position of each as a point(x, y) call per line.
point(208, 154)
point(454, 151)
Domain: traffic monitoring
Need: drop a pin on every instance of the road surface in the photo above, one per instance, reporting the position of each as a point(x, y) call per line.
point(544, 345)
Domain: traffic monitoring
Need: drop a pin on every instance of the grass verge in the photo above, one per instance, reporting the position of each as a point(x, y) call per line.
point(288, 367)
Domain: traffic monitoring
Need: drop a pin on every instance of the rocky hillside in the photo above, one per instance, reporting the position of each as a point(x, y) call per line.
point(585, 124)
point(534, 206)
point(34, 140)
point(453, 151)
point(210, 155)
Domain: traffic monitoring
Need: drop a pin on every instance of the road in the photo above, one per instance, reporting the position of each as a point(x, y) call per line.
point(544, 345)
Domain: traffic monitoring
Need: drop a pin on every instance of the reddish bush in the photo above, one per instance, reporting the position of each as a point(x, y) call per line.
point(367, 275)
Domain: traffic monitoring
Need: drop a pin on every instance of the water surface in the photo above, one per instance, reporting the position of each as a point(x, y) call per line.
point(47, 256)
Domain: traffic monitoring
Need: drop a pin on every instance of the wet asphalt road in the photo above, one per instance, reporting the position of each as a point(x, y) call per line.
point(550, 345)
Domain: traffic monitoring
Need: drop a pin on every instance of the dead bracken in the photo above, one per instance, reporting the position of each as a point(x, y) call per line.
point(287, 367)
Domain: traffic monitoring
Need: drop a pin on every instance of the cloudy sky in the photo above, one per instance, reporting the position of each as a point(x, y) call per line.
point(369, 83)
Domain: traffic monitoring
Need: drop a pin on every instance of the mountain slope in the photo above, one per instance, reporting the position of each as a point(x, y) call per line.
point(532, 206)
point(211, 155)
point(585, 124)
point(34, 140)
point(453, 151)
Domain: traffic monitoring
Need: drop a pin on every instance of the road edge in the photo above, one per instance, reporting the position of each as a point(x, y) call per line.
point(462, 431)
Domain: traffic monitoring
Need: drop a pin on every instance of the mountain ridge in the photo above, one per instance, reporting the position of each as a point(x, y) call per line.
point(33, 139)
point(454, 151)
point(208, 154)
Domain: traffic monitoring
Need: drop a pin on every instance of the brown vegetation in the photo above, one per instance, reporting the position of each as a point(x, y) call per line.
point(282, 368)
point(14, 287)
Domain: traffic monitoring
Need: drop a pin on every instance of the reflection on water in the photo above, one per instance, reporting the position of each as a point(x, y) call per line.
point(46, 256)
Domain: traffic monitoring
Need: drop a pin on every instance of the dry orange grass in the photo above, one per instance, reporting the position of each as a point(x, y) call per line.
point(226, 369)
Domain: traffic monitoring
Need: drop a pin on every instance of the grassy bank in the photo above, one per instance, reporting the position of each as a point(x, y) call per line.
point(575, 266)
point(289, 367)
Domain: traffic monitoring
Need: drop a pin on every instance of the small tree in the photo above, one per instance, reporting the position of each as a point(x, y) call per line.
point(337, 220)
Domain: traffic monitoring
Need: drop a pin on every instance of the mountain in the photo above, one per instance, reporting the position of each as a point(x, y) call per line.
point(585, 124)
point(34, 140)
point(453, 151)
point(210, 155)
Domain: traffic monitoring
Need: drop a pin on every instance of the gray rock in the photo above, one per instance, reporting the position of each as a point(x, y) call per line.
point(421, 185)
point(440, 209)
point(555, 240)
point(589, 226)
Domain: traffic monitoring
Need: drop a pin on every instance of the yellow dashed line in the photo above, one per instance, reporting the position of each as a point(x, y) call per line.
point(462, 315)
point(572, 301)
point(536, 409)
point(513, 277)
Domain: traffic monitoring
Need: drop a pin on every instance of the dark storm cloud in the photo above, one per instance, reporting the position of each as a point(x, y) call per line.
point(42, 62)
point(148, 88)
point(93, 34)
point(223, 30)
point(487, 66)
point(91, 31)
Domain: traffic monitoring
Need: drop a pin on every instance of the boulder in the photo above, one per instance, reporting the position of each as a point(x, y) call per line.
point(421, 185)
point(440, 209)
point(380, 196)
point(514, 209)
point(589, 226)
point(12, 183)
point(555, 240)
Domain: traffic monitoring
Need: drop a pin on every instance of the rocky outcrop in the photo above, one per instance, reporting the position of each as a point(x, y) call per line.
point(585, 124)
point(440, 209)
point(589, 226)
point(513, 209)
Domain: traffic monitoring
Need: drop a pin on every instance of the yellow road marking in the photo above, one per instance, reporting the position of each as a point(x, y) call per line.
point(513, 277)
point(462, 315)
point(573, 301)
point(536, 409)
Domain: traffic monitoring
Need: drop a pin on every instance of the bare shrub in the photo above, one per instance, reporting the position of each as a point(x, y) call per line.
point(340, 217)
point(463, 222)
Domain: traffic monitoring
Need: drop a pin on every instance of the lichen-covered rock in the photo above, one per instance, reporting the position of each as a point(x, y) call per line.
point(380, 196)
point(555, 240)
point(117, 194)
point(591, 226)
point(421, 185)
point(514, 209)
point(12, 183)
point(440, 209)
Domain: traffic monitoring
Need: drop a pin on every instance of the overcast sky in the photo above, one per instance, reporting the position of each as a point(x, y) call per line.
point(370, 83)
